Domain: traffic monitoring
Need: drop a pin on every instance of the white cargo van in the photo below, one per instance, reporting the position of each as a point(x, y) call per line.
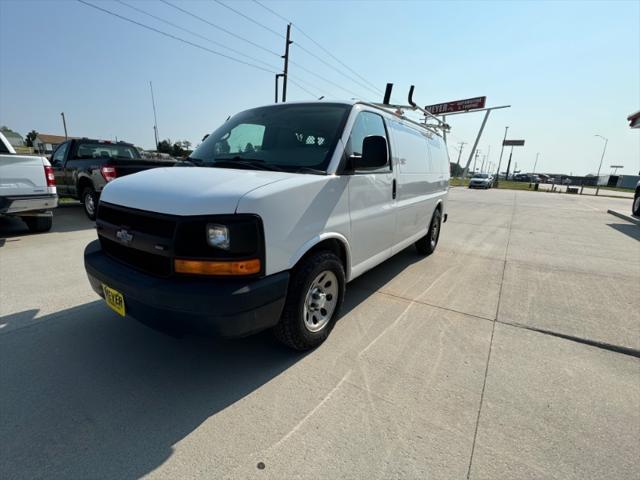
point(285, 205)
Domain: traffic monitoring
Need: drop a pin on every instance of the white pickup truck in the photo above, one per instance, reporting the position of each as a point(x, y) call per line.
point(27, 188)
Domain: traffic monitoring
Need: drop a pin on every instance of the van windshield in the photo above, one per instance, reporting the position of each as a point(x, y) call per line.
point(295, 138)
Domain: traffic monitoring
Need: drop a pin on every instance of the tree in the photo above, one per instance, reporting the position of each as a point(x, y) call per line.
point(164, 146)
point(31, 136)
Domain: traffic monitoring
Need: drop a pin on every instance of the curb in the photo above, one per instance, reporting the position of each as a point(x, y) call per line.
point(625, 216)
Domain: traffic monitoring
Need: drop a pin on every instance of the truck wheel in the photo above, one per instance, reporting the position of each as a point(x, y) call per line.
point(316, 291)
point(90, 201)
point(38, 224)
point(636, 206)
point(427, 244)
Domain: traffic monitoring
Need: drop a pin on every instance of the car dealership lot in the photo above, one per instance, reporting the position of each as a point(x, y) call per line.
point(512, 352)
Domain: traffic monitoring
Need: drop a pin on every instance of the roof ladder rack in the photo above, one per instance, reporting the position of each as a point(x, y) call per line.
point(399, 111)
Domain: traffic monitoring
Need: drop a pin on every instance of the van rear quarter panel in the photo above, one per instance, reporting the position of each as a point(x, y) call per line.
point(422, 177)
point(297, 214)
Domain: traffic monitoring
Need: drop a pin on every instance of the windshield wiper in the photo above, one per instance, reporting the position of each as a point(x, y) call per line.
point(314, 171)
point(232, 162)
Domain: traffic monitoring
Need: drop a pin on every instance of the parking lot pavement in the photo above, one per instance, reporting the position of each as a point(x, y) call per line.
point(417, 380)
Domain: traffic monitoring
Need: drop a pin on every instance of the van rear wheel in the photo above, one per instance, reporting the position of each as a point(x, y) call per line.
point(427, 244)
point(316, 291)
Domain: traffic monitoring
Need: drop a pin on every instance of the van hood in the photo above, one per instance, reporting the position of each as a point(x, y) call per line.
point(188, 190)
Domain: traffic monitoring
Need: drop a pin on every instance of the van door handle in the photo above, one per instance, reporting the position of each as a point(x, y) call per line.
point(393, 189)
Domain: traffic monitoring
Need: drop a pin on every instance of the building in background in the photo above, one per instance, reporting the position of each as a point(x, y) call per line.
point(46, 144)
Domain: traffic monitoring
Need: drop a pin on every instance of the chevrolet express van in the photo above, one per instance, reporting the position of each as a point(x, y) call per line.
point(285, 205)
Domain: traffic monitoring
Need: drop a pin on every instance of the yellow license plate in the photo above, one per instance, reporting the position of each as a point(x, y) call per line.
point(114, 299)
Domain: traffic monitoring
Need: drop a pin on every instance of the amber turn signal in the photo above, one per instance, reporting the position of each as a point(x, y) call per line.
point(207, 267)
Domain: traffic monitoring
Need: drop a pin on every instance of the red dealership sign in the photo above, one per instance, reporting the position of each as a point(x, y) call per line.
point(457, 106)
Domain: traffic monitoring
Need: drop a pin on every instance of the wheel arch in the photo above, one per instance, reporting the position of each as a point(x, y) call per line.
point(84, 182)
point(334, 242)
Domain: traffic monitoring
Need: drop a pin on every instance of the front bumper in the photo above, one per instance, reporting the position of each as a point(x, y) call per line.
point(28, 204)
point(225, 307)
point(479, 185)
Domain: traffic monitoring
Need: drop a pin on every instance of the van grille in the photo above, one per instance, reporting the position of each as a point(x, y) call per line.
point(147, 230)
point(146, 262)
point(143, 222)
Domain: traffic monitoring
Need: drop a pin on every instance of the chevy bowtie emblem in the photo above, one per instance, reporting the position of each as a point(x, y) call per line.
point(124, 236)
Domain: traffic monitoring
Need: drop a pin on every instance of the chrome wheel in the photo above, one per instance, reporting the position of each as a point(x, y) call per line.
point(89, 204)
point(320, 301)
point(636, 206)
point(435, 230)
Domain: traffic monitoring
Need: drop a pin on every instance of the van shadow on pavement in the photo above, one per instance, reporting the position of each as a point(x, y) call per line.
point(87, 394)
point(629, 229)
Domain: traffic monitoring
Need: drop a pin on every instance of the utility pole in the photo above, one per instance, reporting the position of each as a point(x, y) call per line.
point(155, 119)
point(286, 64)
point(475, 159)
point(509, 164)
point(501, 151)
point(606, 140)
point(462, 144)
point(534, 169)
point(64, 124)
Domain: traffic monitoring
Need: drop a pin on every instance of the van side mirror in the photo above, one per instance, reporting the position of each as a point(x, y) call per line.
point(205, 137)
point(375, 153)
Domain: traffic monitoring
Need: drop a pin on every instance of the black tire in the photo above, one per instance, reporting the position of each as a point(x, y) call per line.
point(292, 329)
point(89, 199)
point(38, 224)
point(635, 210)
point(427, 244)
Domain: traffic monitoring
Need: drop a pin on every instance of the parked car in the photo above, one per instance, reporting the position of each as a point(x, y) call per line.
point(288, 203)
point(27, 188)
point(635, 210)
point(481, 180)
point(82, 168)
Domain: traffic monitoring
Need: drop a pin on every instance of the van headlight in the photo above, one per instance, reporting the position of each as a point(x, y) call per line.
point(218, 236)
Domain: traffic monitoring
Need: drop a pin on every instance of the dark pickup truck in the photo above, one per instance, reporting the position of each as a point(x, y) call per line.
point(82, 167)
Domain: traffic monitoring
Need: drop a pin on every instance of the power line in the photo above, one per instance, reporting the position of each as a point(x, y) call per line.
point(194, 33)
point(182, 40)
point(371, 86)
point(169, 35)
point(323, 78)
point(228, 32)
point(259, 46)
point(249, 18)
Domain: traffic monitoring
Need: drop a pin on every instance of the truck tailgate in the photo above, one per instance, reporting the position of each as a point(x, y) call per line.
point(23, 175)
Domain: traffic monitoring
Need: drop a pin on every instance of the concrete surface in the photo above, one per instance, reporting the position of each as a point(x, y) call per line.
point(625, 216)
point(433, 370)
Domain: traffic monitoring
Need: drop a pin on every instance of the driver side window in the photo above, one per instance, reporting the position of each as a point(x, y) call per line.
point(366, 124)
point(58, 156)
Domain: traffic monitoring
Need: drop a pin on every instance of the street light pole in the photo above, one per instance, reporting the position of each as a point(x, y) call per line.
point(500, 160)
point(534, 169)
point(64, 124)
point(606, 140)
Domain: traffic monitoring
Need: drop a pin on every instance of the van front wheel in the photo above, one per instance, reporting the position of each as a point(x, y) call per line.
point(427, 244)
point(316, 291)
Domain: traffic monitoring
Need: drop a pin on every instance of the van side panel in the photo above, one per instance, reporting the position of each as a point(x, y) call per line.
point(417, 184)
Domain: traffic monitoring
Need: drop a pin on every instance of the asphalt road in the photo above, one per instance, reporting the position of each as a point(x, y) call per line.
point(512, 352)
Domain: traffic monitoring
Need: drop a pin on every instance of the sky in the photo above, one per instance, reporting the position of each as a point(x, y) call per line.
point(569, 70)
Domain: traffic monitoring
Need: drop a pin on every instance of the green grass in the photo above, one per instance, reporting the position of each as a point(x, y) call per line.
point(460, 182)
point(509, 185)
point(617, 189)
